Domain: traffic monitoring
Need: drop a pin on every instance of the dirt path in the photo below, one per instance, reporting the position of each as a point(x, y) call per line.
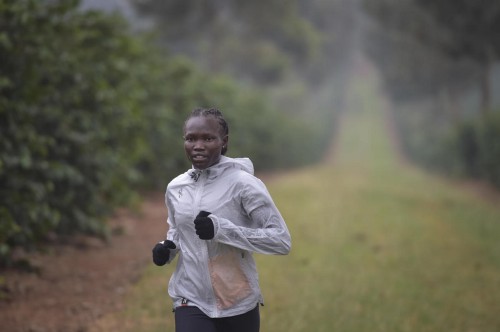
point(78, 283)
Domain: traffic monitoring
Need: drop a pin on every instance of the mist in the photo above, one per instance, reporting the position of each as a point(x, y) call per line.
point(362, 116)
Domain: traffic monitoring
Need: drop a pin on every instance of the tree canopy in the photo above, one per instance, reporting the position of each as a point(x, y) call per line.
point(434, 45)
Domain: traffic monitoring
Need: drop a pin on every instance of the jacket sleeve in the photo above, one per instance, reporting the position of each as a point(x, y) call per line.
point(172, 234)
point(268, 233)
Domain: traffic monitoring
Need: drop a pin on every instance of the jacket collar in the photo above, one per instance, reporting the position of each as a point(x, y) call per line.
point(244, 164)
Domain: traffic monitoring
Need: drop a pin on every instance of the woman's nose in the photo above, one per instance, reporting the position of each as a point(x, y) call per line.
point(198, 144)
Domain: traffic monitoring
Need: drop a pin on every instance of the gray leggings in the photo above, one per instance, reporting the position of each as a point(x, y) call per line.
point(192, 319)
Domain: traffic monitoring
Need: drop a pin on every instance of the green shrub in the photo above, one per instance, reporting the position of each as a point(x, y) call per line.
point(65, 111)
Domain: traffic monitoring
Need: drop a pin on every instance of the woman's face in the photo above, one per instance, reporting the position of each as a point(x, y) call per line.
point(203, 141)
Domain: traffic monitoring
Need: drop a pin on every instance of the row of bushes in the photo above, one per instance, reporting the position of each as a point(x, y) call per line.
point(91, 112)
point(468, 148)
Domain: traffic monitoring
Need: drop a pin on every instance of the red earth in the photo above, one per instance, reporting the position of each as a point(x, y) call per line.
point(72, 285)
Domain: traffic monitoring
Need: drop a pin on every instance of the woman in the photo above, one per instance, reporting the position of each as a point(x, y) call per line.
point(219, 214)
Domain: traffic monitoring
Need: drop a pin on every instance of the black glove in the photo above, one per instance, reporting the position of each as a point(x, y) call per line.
point(161, 252)
point(204, 226)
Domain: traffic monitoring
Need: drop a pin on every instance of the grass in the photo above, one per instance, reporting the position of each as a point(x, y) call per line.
point(377, 246)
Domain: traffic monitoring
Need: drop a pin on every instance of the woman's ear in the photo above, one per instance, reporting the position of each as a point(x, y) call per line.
point(225, 141)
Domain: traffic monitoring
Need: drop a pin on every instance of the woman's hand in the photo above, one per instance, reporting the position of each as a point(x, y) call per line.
point(161, 252)
point(204, 226)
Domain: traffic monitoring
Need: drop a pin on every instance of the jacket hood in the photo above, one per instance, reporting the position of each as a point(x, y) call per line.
point(245, 164)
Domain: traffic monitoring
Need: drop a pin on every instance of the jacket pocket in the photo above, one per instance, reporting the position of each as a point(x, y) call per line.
point(229, 281)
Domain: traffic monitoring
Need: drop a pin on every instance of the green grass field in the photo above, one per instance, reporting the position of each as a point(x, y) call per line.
point(378, 246)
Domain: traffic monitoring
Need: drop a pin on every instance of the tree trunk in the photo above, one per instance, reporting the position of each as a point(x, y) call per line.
point(485, 86)
point(449, 98)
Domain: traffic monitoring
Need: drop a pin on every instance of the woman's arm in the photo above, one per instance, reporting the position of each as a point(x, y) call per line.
point(268, 233)
point(172, 234)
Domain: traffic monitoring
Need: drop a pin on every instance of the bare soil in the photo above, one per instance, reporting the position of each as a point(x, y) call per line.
point(74, 284)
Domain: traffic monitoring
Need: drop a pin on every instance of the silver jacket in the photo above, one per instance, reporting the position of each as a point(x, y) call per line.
point(219, 276)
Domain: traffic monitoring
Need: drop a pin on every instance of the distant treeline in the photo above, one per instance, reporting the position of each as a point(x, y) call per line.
point(264, 42)
point(437, 60)
point(90, 113)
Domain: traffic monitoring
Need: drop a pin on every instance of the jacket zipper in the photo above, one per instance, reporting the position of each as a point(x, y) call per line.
point(199, 194)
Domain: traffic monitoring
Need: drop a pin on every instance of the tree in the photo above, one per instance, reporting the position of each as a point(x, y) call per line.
point(408, 44)
point(473, 29)
point(248, 39)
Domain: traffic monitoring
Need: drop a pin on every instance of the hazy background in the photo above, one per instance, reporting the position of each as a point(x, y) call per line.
point(356, 113)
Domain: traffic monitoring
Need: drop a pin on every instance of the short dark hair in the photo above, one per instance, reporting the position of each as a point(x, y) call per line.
point(217, 114)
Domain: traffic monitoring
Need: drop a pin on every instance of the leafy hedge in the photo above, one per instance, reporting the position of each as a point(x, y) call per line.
point(66, 109)
point(90, 113)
